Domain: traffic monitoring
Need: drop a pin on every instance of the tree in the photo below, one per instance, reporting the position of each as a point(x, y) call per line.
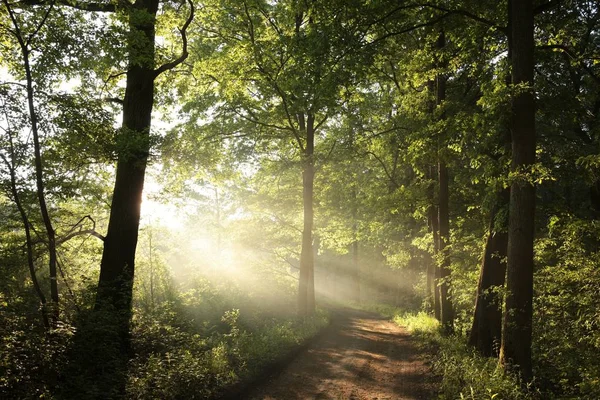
point(515, 351)
point(25, 50)
point(446, 311)
point(286, 92)
point(118, 259)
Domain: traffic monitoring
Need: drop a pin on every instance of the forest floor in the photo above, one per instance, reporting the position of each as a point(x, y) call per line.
point(359, 356)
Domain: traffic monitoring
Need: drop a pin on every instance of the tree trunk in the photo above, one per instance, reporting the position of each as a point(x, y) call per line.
point(306, 291)
point(117, 267)
point(430, 280)
point(486, 331)
point(433, 217)
point(487, 321)
point(515, 352)
point(447, 311)
point(435, 269)
point(355, 274)
point(53, 310)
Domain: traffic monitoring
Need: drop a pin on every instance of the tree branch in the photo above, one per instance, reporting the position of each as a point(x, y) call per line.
point(73, 233)
point(70, 236)
point(42, 23)
point(546, 6)
point(390, 177)
point(80, 5)
point(255, 120)
point(409, 29)
point(114, 100)
point(184, 52)
point(573, 56)
point(321, 122)
point(467, 14)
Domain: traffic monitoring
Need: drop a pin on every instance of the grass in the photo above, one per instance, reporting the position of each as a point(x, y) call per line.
point(463, 373)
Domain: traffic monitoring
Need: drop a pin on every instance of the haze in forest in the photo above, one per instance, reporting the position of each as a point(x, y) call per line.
point(191, 192)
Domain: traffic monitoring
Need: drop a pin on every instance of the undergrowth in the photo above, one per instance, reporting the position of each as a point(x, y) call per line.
point(198, 346)
point(175, 362)
point(187, 346)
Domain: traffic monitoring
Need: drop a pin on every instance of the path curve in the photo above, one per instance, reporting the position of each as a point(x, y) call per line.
point(360, 356)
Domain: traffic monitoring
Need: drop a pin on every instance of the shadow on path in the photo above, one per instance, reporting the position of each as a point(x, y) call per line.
point(360, 356)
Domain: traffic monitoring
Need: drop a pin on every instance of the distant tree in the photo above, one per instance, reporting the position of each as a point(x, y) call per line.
point(282, 66)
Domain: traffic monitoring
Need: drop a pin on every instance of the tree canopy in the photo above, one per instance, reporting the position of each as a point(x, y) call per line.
point(218, 173)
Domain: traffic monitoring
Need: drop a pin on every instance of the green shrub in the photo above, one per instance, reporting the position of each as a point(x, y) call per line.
point(176, 360)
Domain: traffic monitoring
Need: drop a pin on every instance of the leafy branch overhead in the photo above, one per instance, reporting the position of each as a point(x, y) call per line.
point(187, 187)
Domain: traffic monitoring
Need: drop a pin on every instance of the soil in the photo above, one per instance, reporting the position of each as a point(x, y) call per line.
point(359, 356)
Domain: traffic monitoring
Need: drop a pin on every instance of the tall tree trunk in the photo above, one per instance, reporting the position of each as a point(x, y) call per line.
point(306, 291)
point(24, 44)
point(515, 352)
point(435, 228)
point(447, 311)
point(117, 267)
point(487, 321)
point(355, 274)
point(486, 331)
point(433, 216)
point(430, 280)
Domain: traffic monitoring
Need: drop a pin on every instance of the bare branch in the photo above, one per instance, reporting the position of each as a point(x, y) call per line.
point(70, 236)
point(114, 100)
point(73, 233)
point(465, 13)
point(255, 120)
point(386, 131)
point(410, 29)
point(184, 51)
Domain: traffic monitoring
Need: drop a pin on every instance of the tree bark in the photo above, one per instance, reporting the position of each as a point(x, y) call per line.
point(306, 291)
point(486, 331)
point(435, 269)
point(355, 274)
point(515, 352)
point(117, 267)
point(447, 311)
point(487, 320)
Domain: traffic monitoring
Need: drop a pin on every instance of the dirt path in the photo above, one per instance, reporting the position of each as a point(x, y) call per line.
point(360, 356)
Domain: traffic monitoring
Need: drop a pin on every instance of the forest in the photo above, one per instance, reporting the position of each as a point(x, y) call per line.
point(191, 191)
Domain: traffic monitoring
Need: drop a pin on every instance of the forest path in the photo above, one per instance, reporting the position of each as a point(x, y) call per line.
point(360, 356)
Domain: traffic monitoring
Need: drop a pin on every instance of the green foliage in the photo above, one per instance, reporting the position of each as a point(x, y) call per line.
point(178, 360)
point(30, 361)
point(567, 321)
point(232, 153)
